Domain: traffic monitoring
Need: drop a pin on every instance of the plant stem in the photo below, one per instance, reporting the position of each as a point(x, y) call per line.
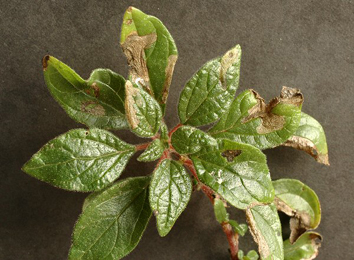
point(174, 129)
point(232, 237)
point(143, 146)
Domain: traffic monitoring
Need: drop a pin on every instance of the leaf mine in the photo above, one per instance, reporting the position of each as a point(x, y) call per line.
point(130, 93)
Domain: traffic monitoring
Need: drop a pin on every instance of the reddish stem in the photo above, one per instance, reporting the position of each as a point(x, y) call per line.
point(143, 146)
point(232, 237)
point(174, 129)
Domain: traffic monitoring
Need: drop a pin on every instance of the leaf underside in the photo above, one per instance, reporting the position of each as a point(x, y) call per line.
point(113, 221)
point(97, 102)
point(81, 160)
point(169, 194)
point(299, 202)
point(305, 248)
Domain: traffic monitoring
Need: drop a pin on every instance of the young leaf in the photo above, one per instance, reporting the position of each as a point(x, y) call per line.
point(249, 120)
point(153, 152)
point(164, 133)
point(310, 137)
point(251, 255)
point(113, 221)
point(220, 212)
point(97, 102)
point(169, 194)
point(300, 202)
point(238, 172)
point(265, 228)
point(208, 94)
point(80, 160)
point(143, 112)
point(151, 52)
point(240, 229)
point(306, 247)
point(189, 140)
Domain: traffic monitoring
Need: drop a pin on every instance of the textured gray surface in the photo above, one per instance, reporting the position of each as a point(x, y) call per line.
point(303, 44)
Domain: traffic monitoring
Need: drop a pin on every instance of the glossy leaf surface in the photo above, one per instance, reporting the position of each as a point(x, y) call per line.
point(265, 228)
point(80, 160)
point(300, 202)
point(152, 152)
point(310, 137)
point(170, 191)
point(238, 172)
point(97, 102)
point(150, 50)
point(240, 229)
point(208, 94)
point(113, 221)
point(220, 212)
point(249, 120)
point(143, 112)
point(306, 247)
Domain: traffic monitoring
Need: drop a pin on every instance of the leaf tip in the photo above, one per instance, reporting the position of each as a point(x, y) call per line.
point(45, 62)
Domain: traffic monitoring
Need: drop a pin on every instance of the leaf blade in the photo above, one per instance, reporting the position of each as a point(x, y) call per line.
point(265, 228)
point(306, 247)
point(92, 102)
point(153, 151)
point(310, 137)
point(249, 120)
point(170, 192)
point(210, 91)
point(80, 160)
point(113, 221)
point(300, 202)
point(152, 59)
point(143, 113)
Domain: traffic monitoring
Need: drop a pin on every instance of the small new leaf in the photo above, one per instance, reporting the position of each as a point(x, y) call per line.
point(169, 194)
point(80, 160)
point(299, 202)
point(97, 102)
point(153, 151)
point(208, 94)
point(240, 229)
point(310, 137)
point(265, 228)
point(305, 248)
point(143, 112)
point(113, 221)
point(249, 120)
point(151, 52)
point(220, 212)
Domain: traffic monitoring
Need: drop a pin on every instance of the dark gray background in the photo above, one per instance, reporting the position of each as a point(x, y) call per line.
point(304, 44)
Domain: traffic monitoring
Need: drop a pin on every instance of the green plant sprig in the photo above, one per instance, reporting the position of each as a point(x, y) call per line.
point(226, 162)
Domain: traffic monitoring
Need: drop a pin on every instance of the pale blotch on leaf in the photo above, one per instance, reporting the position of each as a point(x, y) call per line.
point(172, 59)
point(92, 107)
point(134, 48)
point(309, 147)
point(227, 60)
point(272, 122)
point(130, 93)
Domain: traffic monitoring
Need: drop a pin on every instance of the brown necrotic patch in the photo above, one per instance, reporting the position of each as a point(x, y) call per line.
point(92, 107)
point(231, 154)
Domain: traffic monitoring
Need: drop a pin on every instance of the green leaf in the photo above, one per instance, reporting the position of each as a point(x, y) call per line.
point(252, 255)
point(80, 160)
point(113, 221)
point(310, 137)
point(220, 212)
point(299, 202)
point(189, 140)
point(153, 151)
point(238, 172)
point(169, 194)
point(265, 227)
point(241, 229)
point(151, 52)
point(249, 120)
point(306, 247)
point(164, 133)
point(97, 102)
point(143, 112)
point(208, 94)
